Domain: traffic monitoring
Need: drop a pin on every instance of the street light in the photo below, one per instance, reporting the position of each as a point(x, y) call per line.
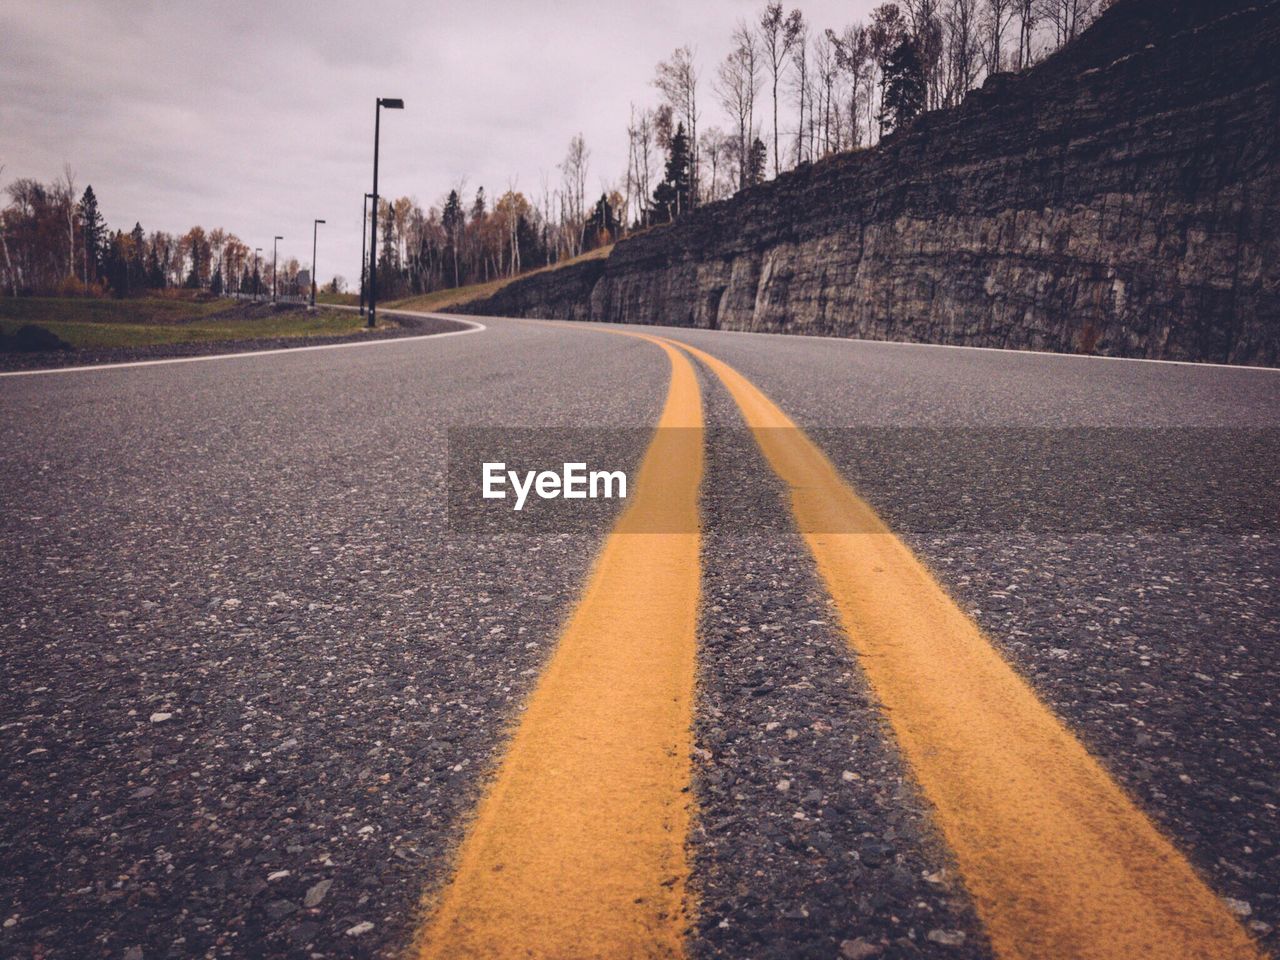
point(257, 274)
point(273, 268)
point(391, 103)
point(314, 227)
point(364, 258)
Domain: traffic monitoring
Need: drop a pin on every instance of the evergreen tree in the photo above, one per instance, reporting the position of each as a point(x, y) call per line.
point(904, 85)
point(533, 252)
point(137, 258)
point(604, 224)
point(757, 160)
point(155, 272)
point(94, 231)
point(452, 218)
point(672, 196)
point(215, 284)
point(388, 254)
point(115, 264)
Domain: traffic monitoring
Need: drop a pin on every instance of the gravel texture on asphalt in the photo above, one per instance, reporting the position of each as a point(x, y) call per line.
point(811, 838)
point(252, 681)
point(1154, 635)
point(406, 325)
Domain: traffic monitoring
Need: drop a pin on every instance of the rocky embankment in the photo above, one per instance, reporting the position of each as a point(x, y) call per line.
point(1121, 198)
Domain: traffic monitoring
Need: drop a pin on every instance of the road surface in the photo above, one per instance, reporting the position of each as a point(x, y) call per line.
point(958, 653)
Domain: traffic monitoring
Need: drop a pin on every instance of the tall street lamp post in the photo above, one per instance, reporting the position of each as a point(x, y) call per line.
point(273, 267)
point(364, 256)
point(314, 228)
point(391, 103)
point(257, 273)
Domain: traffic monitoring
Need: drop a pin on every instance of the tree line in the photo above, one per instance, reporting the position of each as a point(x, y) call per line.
point(789, 93)
point(468, 239)
point(54, 241)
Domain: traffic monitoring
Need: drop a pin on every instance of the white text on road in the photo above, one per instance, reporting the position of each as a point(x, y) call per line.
point(573, 482)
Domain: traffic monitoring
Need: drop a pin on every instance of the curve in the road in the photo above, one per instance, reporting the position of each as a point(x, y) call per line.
point(469, 326)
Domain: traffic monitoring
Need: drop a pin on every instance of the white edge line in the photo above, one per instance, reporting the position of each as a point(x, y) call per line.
point(1006, 351)
point(472, 327)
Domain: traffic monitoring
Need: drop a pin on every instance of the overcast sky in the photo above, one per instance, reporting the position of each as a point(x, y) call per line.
point(257, 117)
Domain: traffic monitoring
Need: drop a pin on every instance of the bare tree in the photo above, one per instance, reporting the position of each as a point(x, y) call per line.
point(736, 84)
point(573, 203)
point(1027, 12)
point(963, 55)
point(648, 137)
point(800, 61)
point(633, 173)
point(645, 136)
point(1067, 17)
point(854, 55)
point(68, 186)
point(827, 70)
point(717, 147)
point(996, 17)
point(927, 28)
point(546, 200)
point(4, 245)
point(778, 35)
point(677, 80)
point(639, 167)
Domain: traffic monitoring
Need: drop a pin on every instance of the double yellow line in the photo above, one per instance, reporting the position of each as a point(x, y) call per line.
point(577, 850)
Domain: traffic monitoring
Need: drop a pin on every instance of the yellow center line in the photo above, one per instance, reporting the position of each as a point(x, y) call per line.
point(577, 849)
point(1060, 862)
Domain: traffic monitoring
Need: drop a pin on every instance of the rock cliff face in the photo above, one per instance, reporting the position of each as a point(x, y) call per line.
point(1121, 198)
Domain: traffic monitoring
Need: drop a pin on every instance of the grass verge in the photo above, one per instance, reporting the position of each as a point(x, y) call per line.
point(46, 310)
point(339, 299)
point(106, 324)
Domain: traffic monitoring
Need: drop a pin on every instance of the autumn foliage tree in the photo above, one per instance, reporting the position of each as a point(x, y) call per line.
point(53, 244)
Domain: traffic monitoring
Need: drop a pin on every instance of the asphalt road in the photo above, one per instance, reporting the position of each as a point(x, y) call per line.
point(255, 671)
